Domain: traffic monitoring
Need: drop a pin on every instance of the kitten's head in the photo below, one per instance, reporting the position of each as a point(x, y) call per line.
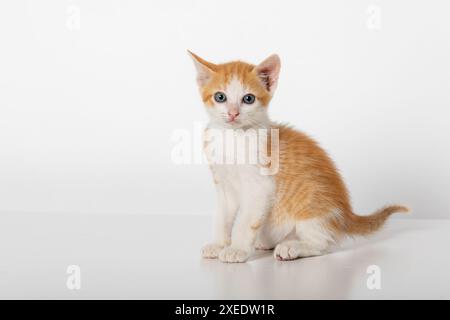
point(236, 94)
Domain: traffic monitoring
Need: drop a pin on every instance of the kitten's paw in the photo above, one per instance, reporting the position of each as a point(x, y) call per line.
point(211, 251)
point(233, 255)
point(286, 251)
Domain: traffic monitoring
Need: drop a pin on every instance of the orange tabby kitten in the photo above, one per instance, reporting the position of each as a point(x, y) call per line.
point(302, 208)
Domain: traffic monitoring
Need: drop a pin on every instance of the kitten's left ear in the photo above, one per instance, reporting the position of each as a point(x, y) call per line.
point(268, 72)
point(205, 69)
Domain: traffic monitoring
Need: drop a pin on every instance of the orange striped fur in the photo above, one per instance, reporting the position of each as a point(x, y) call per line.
point(309, 185)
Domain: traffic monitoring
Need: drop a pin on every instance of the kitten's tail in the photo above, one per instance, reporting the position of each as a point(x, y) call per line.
point(365, 225)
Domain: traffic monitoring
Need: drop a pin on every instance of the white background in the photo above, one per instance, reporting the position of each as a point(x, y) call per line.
point(88, 106)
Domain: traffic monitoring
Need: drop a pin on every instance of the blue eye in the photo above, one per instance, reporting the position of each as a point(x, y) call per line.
point(248, 98)
point(220, 97)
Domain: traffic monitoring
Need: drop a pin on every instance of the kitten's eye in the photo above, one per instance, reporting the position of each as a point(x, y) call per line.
point(248, 98)
point(220, 97)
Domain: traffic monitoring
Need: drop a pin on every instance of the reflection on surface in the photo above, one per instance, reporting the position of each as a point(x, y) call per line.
point(158, 257)
point(328, 277)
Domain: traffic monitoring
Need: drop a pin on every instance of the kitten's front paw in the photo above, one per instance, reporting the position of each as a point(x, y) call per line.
point(233, 255)
point(211, 251)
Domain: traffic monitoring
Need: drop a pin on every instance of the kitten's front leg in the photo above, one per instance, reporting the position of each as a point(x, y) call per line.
point(257, 199)
point(226, 212)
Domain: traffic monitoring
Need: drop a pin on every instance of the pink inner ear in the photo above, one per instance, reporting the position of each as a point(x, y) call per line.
point(203, 78)
point(268, 72)
point(264, 75)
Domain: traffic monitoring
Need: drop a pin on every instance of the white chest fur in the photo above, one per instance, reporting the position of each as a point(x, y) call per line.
point(237, 158)
point(245, 194)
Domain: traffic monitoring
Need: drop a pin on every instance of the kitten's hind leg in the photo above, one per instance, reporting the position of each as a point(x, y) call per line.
point(313, 237)
point(270, 234)
point(294, 249)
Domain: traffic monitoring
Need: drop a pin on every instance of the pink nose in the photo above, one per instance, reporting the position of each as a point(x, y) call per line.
point(233, 114)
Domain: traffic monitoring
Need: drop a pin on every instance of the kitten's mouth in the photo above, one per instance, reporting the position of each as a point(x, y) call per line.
point(233, 120)
point(234, 123)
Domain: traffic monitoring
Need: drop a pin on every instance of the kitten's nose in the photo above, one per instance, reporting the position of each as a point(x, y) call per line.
point(233, 114)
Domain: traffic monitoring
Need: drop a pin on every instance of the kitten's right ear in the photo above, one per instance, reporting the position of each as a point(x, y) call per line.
point(268, 71)
point(205, 69)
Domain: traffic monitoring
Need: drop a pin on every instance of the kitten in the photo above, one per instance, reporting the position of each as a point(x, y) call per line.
point(301, 210)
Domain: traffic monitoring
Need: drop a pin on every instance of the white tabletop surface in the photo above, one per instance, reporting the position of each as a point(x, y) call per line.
point(158, 257)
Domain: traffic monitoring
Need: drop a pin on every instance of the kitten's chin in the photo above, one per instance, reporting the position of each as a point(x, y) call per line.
point(235, 125)
point(219, 123)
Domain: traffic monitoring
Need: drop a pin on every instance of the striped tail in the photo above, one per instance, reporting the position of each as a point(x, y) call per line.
point(365, 225)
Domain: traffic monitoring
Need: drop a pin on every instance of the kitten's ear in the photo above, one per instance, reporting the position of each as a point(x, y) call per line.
point(205, 69)
point(268, 72)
